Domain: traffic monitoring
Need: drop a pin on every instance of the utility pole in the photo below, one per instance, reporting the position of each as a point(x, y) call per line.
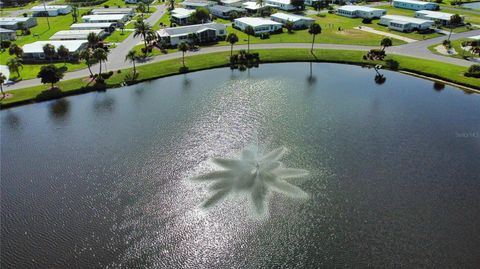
point(46, 13)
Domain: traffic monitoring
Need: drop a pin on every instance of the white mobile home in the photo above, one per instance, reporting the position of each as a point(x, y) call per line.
point(107, 26)
point(113, 18)
point(404, 23)
point(207, 32)
point(14, 23)
point(299, 22)
point(441, 17)
point(259, 25)
point(415, 5)
point(50, 11)
point(252, 7)
point(280, 4)
point(226, 12)
point(33, 52)
point(107, 11)
point(232, 3)
point(77, 34)
point(181, 16)
point(312, 2)
point(360, 12)
point(194, 4)
point(7, 34)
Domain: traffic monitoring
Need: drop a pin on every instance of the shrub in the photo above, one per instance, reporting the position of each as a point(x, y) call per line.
point(5, 44)
point(25, 14)
point(119, 71)
point(392, 64)
point(321, 15)
point(473, 71)
point(367, 20)
point(106, 6)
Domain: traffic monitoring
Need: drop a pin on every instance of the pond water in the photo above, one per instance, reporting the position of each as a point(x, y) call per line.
point(474, 5)
point(103, 180)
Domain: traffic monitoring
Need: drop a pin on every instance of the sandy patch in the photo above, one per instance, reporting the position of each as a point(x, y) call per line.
point(442, 50)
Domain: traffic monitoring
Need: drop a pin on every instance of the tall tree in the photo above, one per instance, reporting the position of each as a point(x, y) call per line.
point(141, 7)
point(249, 31)
point(50, 74)
point(63, 53)
point(143, 29)
point(314, 30)
point(2, 80)
point(183, 47)
point(49, 51)
point(232, 38)
point(87, 56)
point(93, 40)
point(14, 65)
point(172, 4)
point(299, 4)
point(260, 3)
point(386, 42)
point(132, 57)
point(100, 55)
point(455, 20)
point(201, 15)
point(75, 13)
point(289, 25)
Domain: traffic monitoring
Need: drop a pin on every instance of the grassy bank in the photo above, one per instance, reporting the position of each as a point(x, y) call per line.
point(435, 69)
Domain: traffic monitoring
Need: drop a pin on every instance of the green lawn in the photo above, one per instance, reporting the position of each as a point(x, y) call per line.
point(117, 36)
point(448, 72)
point(28, 6)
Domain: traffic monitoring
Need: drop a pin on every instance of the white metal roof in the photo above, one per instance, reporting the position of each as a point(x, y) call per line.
point(406, 19)
point(98, 11)
point(353, 8)
point(5, 71)
point(196, 28)
point(14, 20)
point(3, 30)
point(37, 47)
point(182, 13)
point(435, 14)
point(254, 22)
point(252, 5)
point(413, 2)
point(290, 17)
point(91, 25)
point(105, 17)
point(42, 8)
point(284, 2)
point(76, 34)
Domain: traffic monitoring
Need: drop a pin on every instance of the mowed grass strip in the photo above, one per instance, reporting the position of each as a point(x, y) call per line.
point(436, 69)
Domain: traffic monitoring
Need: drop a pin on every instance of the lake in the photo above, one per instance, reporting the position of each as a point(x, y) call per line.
point(103, 180)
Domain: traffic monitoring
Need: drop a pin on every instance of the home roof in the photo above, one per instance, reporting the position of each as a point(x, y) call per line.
point(290, 17)
point(182, 13)
point(113, 10)
point(252, 5)
point(3, 30)
point(476, 37)
point(225, 8)
point(254, 22)
point(197, 3)
point(99, 25)
point(398, 18)
point(183, 30)
point(77, 34)
point(284, 2)
point(361, 8)
point(42, 8)
point(435, 14)
point(105, 17)
point(413, 2)
point(14, 19)
point(37, 47)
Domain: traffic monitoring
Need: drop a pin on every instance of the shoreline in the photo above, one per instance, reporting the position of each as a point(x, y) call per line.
point(219, 60)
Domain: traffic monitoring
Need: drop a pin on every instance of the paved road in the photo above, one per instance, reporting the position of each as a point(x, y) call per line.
point(116, 58)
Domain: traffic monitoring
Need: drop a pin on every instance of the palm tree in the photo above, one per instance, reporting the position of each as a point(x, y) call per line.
point(232, 38)
point(63, 53)
point(2, 80)
point(87, 55)
point(289, 25)
point(141, 7)
point(172, 4)
point(455, 20)
point(132, 57)
point(93, 40)
point(314, 30)
point(49, 51)
point(14, 49)
point(183, 47)
point(249, 31)
point(75, 13)
point(100, 55)
point(386, 42)
point(142, 29)
point(14, 65)
point(260, 3)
